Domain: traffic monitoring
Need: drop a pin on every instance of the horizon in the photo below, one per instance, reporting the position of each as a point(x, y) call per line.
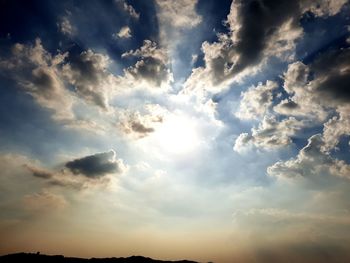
point(211, 131)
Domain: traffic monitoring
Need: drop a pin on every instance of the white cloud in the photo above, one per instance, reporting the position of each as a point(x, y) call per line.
point(66, 27)
point(180, 13)
point(310, 162)
point(151, 70)
point(128, 8)
point(124, 32)
point(302, 100)
point(315, 89)
point(323, 7)
point(336, 127)
point(270, 134)
point(256, 102)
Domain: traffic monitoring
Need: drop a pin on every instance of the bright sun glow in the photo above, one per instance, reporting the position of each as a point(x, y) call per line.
point(177, 135)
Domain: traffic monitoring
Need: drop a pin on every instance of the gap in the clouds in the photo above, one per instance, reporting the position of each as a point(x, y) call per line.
point(33, 19)
point(213, 13)
point(28, 128)
point(322, 34)
point(228, 100)
point(342, 151)
point(94, 22)
point(97, 21)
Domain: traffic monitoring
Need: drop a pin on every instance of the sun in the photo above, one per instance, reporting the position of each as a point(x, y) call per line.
point(178, 134)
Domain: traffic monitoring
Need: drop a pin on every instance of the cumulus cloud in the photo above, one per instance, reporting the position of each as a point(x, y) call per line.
point(311, 161)
point(336, 127)
point(270, 134)
point(269, 26)
point(88, 73)
point(180, 14)
point(324, 7)
point(301, 102)
point(258, 30)
point(97, 165)
point(44, 76)
point(124, 32)
point(318, 89)
point(128, 8)
point(256, 101)
point(152, 68)
point(38, 73)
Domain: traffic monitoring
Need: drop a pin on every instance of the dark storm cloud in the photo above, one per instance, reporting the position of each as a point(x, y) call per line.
point(97, 165)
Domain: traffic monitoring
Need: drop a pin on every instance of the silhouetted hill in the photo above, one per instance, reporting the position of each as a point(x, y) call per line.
point(38, 258)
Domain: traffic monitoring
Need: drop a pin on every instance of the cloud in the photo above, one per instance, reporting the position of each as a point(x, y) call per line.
point(310, 162)
point(128, 8)
point(270, 134)
point(317, 90)
point(152, 68)
point(124, 32)
point(65, 26)
point(336, 127)
point(256, 101)
point(258, 30)
point(88, 73)
point(57, 178)
point(83, 173)
point(262, 27)
point(301, 102)
point(97, 165)
point(44, 75)
point(254, 26)
point(179, 14)
point(331, 74)
point(140, 125)
point(40, 172)
point(38, 73)
point(324, 7)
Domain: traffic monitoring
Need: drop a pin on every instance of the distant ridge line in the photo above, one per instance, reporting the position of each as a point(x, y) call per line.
point(41, 258)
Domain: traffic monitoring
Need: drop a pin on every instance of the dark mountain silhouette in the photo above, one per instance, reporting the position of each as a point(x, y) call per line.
point(38, 258)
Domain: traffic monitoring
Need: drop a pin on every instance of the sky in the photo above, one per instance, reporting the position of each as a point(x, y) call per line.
point(199, 129)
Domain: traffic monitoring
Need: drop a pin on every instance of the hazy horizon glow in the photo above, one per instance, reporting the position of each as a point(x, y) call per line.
point(214, 131)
